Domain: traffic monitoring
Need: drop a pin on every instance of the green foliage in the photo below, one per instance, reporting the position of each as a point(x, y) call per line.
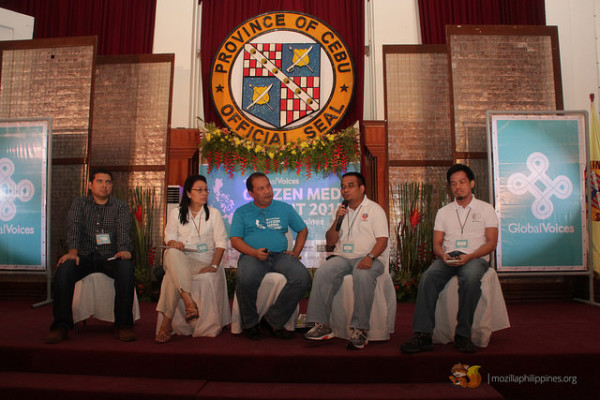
point(418, 204)
point(327, 154)
point(141, 201)
point(230, 277)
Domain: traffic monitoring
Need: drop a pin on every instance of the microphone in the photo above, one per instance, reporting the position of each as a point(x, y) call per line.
point(338, 225)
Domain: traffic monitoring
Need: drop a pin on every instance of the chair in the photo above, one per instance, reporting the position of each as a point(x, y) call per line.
point(209, 291)
point(490, 314)
point(383, 312)
point(94, 296)
point(268, 291)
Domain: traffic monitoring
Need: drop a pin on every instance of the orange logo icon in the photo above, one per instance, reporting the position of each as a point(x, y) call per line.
point(465, 376)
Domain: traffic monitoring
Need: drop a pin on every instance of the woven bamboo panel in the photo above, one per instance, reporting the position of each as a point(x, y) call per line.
point(131, 113)
point(399, 175)
point(53, 78)
point(123, 181)
point(68, 183)
point(50, 82)
point(417, 105)
point(482, 178)
point(494, 71)
point(131, 123)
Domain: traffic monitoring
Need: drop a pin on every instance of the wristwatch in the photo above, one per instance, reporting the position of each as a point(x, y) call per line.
point(371, 256)
point(215, 266)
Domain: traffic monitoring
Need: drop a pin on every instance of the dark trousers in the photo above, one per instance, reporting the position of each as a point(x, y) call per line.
point(68, 273)
point(250, 274)
point(434, 280)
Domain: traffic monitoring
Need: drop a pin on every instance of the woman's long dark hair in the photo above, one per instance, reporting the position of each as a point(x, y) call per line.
point(184, 204)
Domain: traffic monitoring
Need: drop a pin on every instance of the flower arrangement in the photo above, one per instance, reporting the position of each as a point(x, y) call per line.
point(327, 154)
point(141, 201)
point(417, 205)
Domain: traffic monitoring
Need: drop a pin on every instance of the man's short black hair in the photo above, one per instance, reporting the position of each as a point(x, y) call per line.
point(460, 167)
point(250, 180)
point(100, 171)
point(358, 175)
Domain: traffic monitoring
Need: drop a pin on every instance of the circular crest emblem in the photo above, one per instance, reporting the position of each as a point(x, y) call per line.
point(282, 77)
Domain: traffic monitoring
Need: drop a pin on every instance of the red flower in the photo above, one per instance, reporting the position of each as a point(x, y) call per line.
point(415, 218)
point(139, 214)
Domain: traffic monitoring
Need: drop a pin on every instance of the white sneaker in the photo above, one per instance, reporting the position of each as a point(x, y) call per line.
point(319, 332)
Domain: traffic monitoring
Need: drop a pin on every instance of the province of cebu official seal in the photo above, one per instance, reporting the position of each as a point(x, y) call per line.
point(281, 77)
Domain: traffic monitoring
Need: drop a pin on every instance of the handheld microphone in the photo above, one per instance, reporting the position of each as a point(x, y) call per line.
point(338, 225)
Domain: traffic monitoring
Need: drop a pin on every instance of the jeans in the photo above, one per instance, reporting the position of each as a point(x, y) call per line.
point(251, 272)
point(68, 273)
point(469, 291)
point(328, 280)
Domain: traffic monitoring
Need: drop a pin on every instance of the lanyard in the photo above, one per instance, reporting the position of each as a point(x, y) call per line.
point(462, 225)
point(350, 225)
point(194, 221)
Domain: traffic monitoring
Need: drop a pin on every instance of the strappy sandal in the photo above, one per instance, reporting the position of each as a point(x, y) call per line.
point(191, 309)
point(191, 313)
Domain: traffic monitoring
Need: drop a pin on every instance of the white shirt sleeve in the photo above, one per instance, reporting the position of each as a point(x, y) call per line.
point(172, 227)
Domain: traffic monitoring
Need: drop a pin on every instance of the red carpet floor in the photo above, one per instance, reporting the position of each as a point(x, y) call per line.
point(547, 343)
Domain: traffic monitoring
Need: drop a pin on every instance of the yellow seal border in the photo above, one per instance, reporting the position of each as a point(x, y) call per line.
point(332, 110)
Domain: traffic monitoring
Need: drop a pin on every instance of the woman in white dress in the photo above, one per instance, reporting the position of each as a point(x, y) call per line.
point(196, 239)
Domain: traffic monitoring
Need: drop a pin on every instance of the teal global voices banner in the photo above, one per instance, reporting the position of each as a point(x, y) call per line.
point(539, 185)
point(23, 183)
point(314, 199)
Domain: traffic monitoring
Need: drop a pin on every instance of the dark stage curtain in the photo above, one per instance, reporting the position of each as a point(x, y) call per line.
point(346, 17)
point(122, 26)
point(434, 15)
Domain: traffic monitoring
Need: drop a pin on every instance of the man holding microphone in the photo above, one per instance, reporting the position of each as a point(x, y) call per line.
point(359, 232)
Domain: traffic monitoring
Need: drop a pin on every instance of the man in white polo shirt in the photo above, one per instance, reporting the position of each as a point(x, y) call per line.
point(359, 231)
point(465, 232)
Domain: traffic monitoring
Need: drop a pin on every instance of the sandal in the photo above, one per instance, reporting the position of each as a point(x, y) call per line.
point(191, 313)
point(191, 309)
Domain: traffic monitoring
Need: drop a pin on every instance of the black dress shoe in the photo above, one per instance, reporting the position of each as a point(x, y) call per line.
point(464, 344)
point(252, 333)
point(283, 334)
point(57, 335)
point(418, 343)
point(278, 333)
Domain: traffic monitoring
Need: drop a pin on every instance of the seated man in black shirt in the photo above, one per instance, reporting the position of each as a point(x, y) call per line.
point(99, 240)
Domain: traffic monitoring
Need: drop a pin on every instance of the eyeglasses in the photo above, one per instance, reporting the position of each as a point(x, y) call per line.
point(201, 190)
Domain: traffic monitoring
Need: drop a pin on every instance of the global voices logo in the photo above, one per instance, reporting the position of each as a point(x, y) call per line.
point(10, 191)
point(543, 188)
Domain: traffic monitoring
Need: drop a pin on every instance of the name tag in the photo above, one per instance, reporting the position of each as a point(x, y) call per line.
point(461, 244)
point(347, 248)
point(202, 248)
point(102, 238)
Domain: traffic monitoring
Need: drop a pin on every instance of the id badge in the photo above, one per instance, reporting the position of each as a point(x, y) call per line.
point(347, 247)
point(102, 238)
point(461, 244)
point(202, 248)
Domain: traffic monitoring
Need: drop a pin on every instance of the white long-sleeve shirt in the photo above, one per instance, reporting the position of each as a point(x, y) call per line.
point(198, 233)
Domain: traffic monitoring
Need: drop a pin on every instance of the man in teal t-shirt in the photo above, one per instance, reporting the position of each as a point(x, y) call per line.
point(258, 232)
